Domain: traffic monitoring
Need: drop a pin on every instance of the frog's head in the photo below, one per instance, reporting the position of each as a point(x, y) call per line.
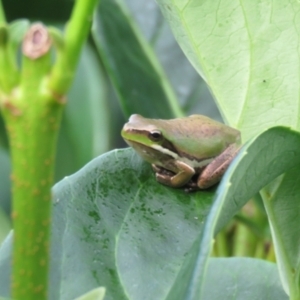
point(147, 138)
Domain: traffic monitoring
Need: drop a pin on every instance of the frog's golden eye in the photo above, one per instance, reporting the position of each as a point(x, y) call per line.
point(155, 135)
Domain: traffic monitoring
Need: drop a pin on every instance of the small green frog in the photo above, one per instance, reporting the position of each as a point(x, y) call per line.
point(192, 152)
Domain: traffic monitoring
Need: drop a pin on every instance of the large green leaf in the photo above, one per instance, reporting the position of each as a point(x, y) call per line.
point(248, 53)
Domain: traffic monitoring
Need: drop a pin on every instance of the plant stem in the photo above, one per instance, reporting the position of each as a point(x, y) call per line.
point(76, 33)
point(32, 119)
point(271, 254)
point(244, 241)
point(222, 248)
point(32, 196)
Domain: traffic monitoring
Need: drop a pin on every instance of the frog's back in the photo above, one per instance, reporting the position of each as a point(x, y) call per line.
point(200, 135)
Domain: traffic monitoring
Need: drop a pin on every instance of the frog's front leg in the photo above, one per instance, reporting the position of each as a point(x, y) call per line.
point(213, 173)
point(161, 170)
point(183, 174)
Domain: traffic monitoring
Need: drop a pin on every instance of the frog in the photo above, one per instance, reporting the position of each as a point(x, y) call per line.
point(188, 152)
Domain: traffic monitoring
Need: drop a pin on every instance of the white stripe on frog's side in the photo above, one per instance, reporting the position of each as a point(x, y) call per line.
point(191, 162)
point(165, 151)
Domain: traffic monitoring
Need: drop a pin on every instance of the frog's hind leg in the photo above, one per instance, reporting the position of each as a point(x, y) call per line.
point(213, 173)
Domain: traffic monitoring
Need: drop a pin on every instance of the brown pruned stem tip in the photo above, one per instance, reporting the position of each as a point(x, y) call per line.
point(37, 41)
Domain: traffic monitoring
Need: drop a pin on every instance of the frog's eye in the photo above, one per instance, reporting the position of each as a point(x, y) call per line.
point(155, 135)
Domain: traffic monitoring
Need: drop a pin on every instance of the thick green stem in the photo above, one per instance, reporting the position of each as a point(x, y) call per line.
point(32, 182)
point(222, 248)
point(75, 36)
point(32, 119)
point(244, 241)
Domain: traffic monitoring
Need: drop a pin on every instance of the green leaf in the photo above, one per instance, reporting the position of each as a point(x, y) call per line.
point(246, 51)
point(131, 64)
point(243, 279)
